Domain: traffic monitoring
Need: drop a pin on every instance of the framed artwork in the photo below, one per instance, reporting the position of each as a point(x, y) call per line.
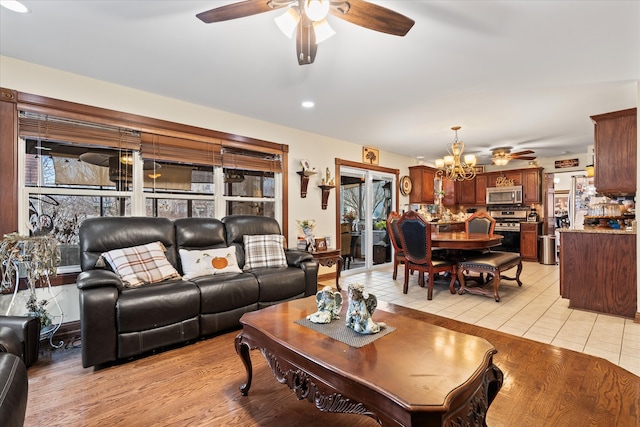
point(370, 156)
point(321, 244)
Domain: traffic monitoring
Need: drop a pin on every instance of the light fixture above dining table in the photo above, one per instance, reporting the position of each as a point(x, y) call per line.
point(454, 166)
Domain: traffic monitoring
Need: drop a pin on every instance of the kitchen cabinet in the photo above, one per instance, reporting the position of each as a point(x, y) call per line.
point(467, 192)
point(450, 194)
point(529, 232)
point(422, 182)
point(481, 189)
point(598, 270)
point(531, 185)
point(615, 148)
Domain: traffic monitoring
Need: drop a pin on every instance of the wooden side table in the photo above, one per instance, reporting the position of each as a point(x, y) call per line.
point(329, 258)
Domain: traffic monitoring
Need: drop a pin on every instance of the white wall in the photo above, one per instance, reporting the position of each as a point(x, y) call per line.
point(320, 150)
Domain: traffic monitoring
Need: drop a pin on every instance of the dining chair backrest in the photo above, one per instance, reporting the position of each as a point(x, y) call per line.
point(480, 222)
point(415, 234)
point(394, 236)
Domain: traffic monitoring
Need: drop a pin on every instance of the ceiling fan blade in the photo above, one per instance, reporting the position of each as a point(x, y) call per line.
point(306, 45)
point(524, 157)
point(522, 153)
point(372, 16)
point(238, 10)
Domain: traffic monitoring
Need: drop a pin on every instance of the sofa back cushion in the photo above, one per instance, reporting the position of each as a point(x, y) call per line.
point(237, 226)
point(99, 235)
point(199, 234)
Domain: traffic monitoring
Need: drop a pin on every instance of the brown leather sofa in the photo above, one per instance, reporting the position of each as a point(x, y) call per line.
point(14, 384)
point(118, 323)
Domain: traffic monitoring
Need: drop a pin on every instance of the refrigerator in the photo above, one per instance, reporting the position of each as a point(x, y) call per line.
point(582, 193)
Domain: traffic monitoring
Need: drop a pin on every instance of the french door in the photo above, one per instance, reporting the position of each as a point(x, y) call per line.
point(366, 198)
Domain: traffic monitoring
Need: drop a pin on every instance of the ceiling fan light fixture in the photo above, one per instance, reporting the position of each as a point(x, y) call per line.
point(323, 30)
point(316, 10)
point(288, 21)
point(500, 161)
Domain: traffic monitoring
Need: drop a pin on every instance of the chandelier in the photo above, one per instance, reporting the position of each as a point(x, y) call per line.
point(453, 166)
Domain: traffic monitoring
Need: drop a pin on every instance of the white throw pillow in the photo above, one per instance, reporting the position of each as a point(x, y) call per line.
point(142, 264)
point(264, 251)
point(198, 263)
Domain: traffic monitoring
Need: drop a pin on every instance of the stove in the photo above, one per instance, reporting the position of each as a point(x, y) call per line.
point(508, 220)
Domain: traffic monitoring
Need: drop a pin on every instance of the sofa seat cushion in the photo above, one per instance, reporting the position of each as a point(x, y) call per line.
point(226, 292)
point(157, 305)
point(279, 284)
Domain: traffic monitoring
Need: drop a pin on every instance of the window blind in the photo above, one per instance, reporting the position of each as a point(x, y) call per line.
point(238, 158)
point(181, 150)
point(48, 128)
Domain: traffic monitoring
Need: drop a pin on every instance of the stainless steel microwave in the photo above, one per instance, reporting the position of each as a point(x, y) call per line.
point(504, 195)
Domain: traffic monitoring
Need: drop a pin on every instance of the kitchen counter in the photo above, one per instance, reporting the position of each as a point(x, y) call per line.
point(598, 270)
point(597, 230)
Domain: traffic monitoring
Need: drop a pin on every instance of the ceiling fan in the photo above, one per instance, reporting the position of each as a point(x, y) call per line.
point(308, 19)
point(500, 156)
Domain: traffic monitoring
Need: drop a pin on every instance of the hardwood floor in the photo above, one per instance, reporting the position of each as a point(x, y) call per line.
point(197, 385)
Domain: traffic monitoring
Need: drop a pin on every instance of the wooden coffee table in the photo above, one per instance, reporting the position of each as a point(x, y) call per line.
point(419, 374)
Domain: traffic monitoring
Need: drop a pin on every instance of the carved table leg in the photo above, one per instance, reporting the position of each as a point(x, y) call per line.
point(339, 262)
point(242, 348)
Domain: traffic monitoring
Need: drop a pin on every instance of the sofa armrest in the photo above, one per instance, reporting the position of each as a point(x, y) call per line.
point(296, 257)
point(98, 329)
point(14, 387)
point(98, 279)
point(310, 269)
point(9, 342)
point(27, 330)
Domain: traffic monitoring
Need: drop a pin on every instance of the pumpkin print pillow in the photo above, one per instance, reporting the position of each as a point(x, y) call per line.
point(198, 263)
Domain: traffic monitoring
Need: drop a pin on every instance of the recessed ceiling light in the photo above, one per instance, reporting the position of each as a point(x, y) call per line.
point(14, 5)
point(308, 104)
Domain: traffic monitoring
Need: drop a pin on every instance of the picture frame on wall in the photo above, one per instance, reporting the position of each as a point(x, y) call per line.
point(321, 244)
point(370, 156)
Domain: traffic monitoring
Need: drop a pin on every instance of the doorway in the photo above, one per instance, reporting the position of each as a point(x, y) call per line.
point(366, 197)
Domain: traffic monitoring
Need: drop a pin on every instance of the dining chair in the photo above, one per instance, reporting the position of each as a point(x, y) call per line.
point(346, 246)
point(493, 263)
point(415, 235)
point(480, 222)
point(394, 236)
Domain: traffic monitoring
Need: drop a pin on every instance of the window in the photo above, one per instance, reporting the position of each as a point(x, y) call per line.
point(72, 170)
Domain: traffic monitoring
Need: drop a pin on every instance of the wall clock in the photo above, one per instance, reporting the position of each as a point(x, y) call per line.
point(405, 185)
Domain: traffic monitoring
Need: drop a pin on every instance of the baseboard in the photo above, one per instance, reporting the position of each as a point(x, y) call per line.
point(637, 319)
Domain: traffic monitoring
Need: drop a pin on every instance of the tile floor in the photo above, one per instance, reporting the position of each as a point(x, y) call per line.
point(534, 311)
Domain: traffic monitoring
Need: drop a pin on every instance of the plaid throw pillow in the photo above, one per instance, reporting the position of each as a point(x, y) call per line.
point(264, 251)
point(138, 265)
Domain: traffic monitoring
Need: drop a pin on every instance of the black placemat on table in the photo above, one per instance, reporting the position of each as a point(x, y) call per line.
point(339, 331)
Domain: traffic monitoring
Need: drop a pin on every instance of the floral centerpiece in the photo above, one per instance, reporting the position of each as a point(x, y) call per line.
point(350, 216)
point(307, 226)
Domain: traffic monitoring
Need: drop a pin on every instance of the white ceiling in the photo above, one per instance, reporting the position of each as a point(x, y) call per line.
point(525, 74)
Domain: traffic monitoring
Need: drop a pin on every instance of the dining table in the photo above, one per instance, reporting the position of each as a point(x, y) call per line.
point(461, 240)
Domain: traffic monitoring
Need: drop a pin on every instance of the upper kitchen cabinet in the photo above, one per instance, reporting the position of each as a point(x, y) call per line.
point(531, 188)
point(422, 180)
point(615, 152)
